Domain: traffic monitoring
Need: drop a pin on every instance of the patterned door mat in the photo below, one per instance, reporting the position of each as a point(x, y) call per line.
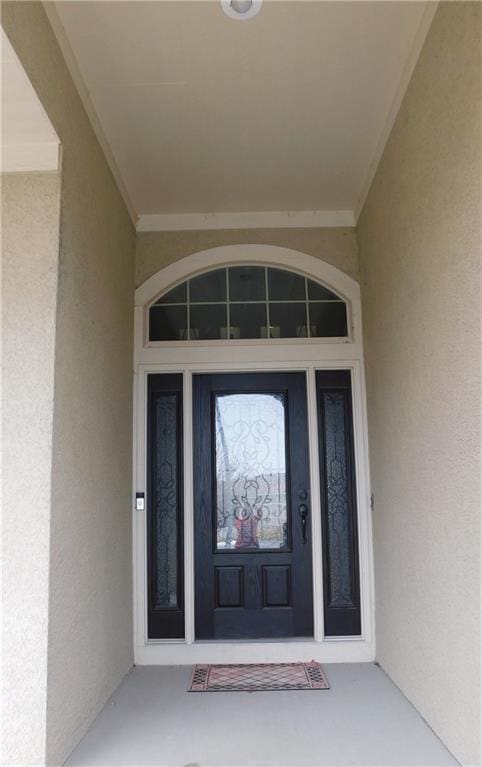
point(256, 677)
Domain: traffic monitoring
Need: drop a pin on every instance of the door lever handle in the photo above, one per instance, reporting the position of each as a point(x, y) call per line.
point(303, 512)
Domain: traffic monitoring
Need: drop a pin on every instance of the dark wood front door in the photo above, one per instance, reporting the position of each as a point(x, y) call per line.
point(253, 571)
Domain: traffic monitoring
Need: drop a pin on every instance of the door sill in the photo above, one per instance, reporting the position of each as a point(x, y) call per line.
point(260, 640)
point(255, 651)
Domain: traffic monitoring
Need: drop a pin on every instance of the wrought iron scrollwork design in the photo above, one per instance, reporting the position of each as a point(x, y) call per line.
point(251, 471)
point(166, 500)
point(337, 500)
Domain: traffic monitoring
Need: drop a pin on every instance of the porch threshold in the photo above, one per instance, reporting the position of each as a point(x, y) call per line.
point(261, 640)
point(278, 640)
point(330, 650)
point(362, 720)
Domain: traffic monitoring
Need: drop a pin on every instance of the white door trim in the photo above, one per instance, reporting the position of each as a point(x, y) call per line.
point(265, 355)
point(227, 255)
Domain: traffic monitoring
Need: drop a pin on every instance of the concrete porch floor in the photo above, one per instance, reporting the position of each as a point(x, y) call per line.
point(362, 720)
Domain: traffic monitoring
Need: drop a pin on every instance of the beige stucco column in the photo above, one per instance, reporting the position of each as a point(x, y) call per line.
point(30, 251)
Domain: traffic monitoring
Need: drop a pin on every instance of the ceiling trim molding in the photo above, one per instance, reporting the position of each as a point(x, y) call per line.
point(299, 219)
point(30, 158)
point(407, 73)
point(73, 67)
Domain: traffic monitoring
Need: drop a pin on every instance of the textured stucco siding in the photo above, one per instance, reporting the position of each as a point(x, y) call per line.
point(419, 246)
point(90, 599)
point(30, 251)
point(336, 246)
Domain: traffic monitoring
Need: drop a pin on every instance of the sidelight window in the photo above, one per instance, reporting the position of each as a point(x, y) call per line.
point(164, 506)
point(338, 504)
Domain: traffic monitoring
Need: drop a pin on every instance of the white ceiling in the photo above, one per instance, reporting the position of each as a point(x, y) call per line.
point(284, 112)
point(28, 141)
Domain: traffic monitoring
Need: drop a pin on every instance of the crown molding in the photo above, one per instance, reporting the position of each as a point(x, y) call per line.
point(405, 78)
point(302, 219)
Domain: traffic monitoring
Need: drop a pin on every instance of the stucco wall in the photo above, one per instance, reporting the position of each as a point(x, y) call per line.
point(90, 610)
point(336, 246)
point(30, 251)
point(419, 249)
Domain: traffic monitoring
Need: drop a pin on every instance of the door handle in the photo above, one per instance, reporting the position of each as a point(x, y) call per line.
point(303, 512)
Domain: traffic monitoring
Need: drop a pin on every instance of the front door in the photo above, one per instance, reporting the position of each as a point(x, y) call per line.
point(252, 506)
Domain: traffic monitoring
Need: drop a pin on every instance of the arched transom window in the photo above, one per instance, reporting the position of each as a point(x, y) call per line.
point(239, 302)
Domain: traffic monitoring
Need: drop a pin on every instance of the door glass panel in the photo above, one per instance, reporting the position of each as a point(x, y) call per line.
point(251, 493)
point(177, 295)
point(285, 286)
point(166, 501)
point(288, 320)
point(167, 323)
point(247, 283)
point(317, 292)
point(207, 321)
point(337, 496)
point(208, 287)
point(328, 319)
point(247, 302)
point(247, 320)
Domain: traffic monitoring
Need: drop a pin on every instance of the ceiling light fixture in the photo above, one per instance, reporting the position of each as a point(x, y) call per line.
point(241, 9)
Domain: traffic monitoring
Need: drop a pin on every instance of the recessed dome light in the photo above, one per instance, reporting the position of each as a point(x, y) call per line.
point(241, 9)
point(241, 6)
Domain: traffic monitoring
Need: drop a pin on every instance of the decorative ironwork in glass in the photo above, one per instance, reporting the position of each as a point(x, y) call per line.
point(251, 499)
point(166, 501)
point(247, 302)
point(337, 500)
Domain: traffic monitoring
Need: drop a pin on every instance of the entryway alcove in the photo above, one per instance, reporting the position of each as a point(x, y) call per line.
point(251, 456)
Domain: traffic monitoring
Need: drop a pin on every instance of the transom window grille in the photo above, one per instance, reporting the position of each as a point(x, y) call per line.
point(247, 302)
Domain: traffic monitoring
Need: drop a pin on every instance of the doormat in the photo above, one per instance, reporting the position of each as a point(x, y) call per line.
point(257, 677)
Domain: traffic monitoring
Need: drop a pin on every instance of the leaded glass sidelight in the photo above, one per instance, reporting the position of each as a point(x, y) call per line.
point(340, 543)
point(166, 501)
point(240, 302)
point(164, 497)
point(337, 506)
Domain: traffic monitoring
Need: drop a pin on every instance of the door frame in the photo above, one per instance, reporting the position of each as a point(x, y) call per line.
point(294, 618)
point(306, 356)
